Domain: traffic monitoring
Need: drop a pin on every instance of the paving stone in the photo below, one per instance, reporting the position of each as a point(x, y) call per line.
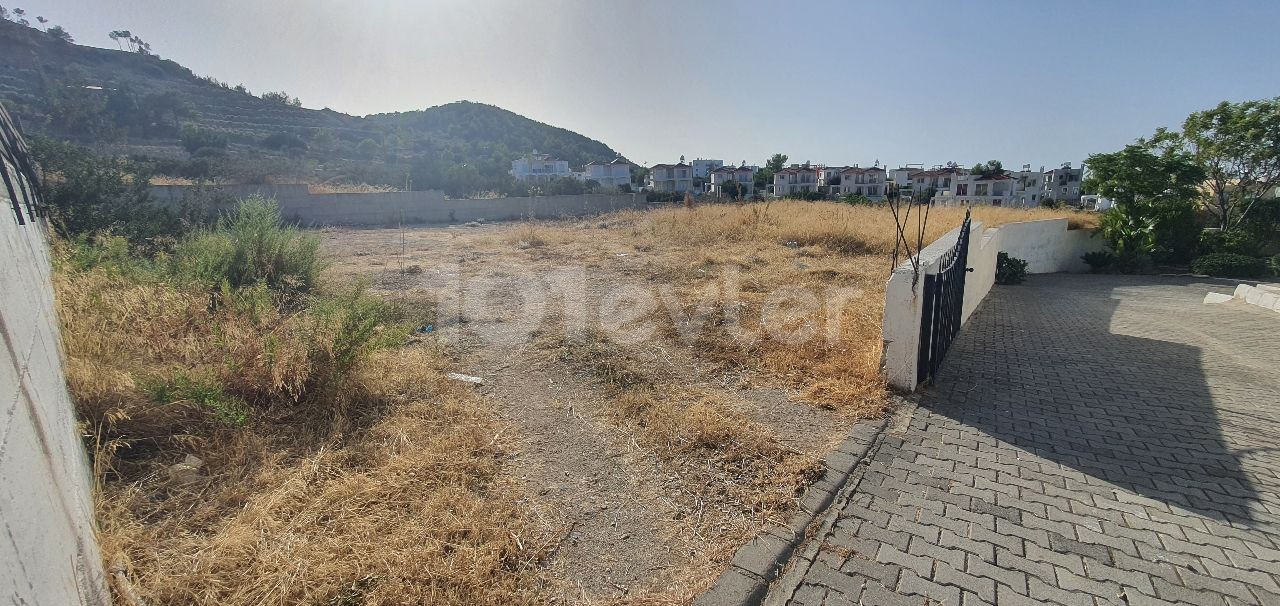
point(947, 574)
point(1087, 440)
point(911, 584)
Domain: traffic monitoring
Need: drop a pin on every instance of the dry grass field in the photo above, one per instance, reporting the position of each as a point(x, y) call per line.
point(654, 389)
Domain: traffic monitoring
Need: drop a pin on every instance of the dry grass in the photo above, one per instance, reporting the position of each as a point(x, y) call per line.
point(726, 459)
point(381, 490)
point(774, 246)
point(348, 188)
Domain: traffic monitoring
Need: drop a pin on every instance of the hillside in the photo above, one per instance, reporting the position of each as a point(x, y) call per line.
point(198, 127)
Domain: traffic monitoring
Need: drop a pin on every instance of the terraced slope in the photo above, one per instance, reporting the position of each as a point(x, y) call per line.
point(36, 70)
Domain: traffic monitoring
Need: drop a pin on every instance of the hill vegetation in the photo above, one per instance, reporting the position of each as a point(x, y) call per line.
point(133, 102)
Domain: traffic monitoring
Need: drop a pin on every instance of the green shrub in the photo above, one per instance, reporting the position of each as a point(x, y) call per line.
point(1010, 270)
point(1238, 241)
point(1274, 265)
point(91, 195)
point(248, 246)
point(345, 329)
point(1229, 265)
point(208, 394)
point(1100, 261)
point(1134, 263)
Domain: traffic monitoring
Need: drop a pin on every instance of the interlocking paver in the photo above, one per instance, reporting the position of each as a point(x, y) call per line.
point(1089, 440)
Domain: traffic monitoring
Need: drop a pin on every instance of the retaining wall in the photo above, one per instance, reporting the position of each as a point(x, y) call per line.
point(391, 208)
point(1047, 246)
point(48, 553)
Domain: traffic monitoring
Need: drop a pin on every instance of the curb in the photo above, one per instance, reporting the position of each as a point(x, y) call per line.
point(895, 422)
point(759, 562)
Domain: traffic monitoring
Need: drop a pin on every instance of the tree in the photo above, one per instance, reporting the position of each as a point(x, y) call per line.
point(367, 148)
point(991, 169)
point(138, 46)
point(20, 17)
point(1154, 196)
point(95, 194)
point(1238, 147)
point(122, 34)
point(776, 163)
point(41, 20)
point(60, 34)
point(195, 139)
point(282, 97)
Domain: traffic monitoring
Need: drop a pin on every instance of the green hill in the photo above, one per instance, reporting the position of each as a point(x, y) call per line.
point(197, 127)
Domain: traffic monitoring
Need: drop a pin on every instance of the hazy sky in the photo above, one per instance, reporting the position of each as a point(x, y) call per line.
point(833, 82)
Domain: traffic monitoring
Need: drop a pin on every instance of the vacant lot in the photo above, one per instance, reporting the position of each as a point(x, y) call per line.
point(574, 412)
point(668, 380)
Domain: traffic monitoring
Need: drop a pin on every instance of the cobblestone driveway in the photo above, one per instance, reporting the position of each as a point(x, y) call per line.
point(1090, 440)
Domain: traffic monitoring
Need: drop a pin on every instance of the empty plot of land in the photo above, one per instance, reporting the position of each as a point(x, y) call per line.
point(670, 380)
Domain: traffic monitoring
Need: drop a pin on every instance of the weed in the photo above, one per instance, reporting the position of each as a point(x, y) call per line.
point(206, 392)
point(251, 245)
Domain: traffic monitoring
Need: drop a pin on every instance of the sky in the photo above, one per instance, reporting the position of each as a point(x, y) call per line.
point(839, 83)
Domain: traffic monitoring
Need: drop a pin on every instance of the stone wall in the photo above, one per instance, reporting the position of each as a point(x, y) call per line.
point(392, 208)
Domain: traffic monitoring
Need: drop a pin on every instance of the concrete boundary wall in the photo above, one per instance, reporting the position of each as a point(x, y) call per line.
point(49, 553)
point(391, 208)
point(1047, 246)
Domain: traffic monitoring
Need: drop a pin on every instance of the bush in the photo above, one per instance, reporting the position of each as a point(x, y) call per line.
point(194, 139)
point(1274, 265)
point(1238, 241)
point(90, 195)
point(1100, 261)
point(248, 246)
point(1010, 270)
point(1229, 265)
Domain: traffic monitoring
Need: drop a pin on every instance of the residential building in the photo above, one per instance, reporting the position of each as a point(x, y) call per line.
point(1063, 184)
point(744, 176)
point(996, 190)
point(615, 173)
point(901, 180)
point(936, 180)
point(671, 177)
point(795, 179)
point(829, 179)
point(539, 167)
point(702, 167)
point(867, 182)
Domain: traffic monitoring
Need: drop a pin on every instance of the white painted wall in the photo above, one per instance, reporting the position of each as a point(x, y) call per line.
point(48, 553)
point(1047, 246)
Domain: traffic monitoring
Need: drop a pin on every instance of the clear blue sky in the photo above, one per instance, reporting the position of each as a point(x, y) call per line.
point(832, 82)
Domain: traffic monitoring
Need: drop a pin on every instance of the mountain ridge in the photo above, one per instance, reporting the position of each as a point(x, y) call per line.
point(160, 111)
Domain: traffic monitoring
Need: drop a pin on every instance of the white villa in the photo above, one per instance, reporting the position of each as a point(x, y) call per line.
point(615, 173)
point(744, 176)
point(1025, 188)
point(539, 167)
point(867, 182)
point(671, 178)
point(702, 167)
point(795, 179)
point(1063, 183)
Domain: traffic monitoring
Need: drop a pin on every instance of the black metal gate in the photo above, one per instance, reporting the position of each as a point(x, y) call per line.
point(943, 305)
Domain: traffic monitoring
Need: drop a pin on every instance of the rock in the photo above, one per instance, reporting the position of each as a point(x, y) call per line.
point(1216, 297)
point(457, 376)
point(186, 472)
